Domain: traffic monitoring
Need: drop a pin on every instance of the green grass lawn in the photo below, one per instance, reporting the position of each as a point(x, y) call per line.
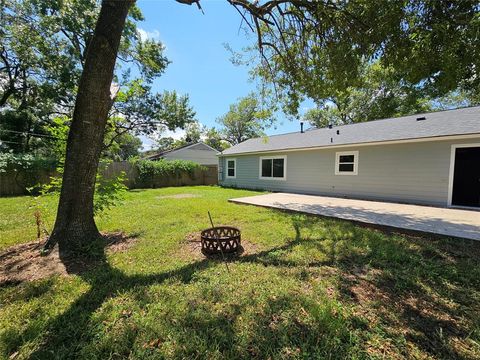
point(313, 288)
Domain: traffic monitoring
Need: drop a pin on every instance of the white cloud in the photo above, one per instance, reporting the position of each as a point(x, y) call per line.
point(148, 35)
point(149, 142)
point(177, 134)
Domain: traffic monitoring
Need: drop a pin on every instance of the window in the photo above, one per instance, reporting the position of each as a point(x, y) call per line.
point(231, 168)
point(273, 168)
point(346, 163)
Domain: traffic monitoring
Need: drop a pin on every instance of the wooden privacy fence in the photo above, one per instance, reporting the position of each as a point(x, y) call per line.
point(16, 183)
point(205, 175)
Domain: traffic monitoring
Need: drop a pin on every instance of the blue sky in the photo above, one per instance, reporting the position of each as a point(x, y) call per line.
point(201, 65)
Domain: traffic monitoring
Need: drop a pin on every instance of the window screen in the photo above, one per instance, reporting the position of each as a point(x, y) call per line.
point(278, 168)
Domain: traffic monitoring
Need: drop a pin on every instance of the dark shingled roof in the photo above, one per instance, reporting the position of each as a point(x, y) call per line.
point(189, 145)
point(442, 123)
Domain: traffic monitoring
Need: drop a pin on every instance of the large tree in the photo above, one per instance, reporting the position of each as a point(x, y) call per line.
point(379, 94)
point(246, 119)
point(215, 139)
point(431, 43)
point(315, 49)
point(139, 111)
point(42, 55)
point(75, 228)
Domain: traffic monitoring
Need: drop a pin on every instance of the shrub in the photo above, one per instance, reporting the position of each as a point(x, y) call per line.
point(27, 169)
point(148, 169)
point(25, 162)
point(109, 191)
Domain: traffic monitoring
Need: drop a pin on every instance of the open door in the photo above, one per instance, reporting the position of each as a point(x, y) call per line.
point(466, 177)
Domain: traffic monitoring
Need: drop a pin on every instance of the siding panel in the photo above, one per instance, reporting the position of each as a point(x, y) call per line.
point(414, 173)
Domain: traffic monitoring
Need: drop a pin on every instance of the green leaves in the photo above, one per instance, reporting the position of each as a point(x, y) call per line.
point(27, 170)
point(379, 94)
point(245, 119)
point(139, 110)
point(152, 62)
point(42, 51)
point(24, 162)
point(319, 49)
point(109, 192)
point(147, 169)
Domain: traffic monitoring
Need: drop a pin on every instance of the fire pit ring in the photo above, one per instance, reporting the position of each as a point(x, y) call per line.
point(220, 238)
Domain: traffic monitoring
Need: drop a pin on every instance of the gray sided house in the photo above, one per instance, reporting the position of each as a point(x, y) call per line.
point(199, 152)
point(431, 159)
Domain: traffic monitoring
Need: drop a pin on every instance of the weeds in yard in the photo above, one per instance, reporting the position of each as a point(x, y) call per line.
point(310, 288)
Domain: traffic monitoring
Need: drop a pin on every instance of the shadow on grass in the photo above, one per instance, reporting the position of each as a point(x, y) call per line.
point(386, 276)
point(421, 290)
point(74, 329)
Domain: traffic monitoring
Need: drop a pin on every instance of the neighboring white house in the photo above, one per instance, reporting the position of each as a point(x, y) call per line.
point(431, 158)
point(199, 152)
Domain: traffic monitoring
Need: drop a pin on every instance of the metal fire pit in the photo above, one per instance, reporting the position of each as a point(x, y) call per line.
point(220, 238)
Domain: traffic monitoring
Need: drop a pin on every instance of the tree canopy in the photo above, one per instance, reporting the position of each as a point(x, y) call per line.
point(245, 119)
point(319, 49)
point(378, 95)
point(42, 55)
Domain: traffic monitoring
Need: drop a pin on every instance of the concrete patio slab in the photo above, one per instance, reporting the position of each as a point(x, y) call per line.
point(443, 221)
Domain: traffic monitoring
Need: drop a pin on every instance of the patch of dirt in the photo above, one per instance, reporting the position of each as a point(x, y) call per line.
point(178, 196)
point(192, 248)
point(118, 242)
point(25, 262)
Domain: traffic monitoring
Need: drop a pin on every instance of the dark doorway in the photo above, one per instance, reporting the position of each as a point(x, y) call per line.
point(466, 177)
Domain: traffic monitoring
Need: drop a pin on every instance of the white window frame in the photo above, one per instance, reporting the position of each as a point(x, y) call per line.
point(355, 163)
point(234, 168)
point(284, 178)
point(451, 174)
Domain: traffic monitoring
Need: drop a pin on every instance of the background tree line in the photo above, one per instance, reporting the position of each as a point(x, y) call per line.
point(42, 55)
point(248, 118)
point(43, 52)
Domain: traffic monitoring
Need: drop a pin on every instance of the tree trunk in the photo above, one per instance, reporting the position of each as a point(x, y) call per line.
point(75, 229)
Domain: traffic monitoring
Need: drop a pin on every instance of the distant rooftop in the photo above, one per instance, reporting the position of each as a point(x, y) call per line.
point(462, 121)
point(194, 146)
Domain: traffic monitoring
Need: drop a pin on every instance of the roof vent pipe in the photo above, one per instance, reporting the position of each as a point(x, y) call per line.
point(330, 125)
point(421, 118)
point(338, 132)
point(301, 127)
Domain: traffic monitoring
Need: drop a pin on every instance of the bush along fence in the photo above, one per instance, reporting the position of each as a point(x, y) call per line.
point(24, 172)
point(162, 173)
point(20, 174)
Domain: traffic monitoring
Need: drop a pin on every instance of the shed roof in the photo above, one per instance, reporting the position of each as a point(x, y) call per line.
point(194, 146)
point(462, 121)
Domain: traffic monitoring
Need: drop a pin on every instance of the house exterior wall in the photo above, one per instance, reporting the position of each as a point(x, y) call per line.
point(202, 155)
point(411, 173)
